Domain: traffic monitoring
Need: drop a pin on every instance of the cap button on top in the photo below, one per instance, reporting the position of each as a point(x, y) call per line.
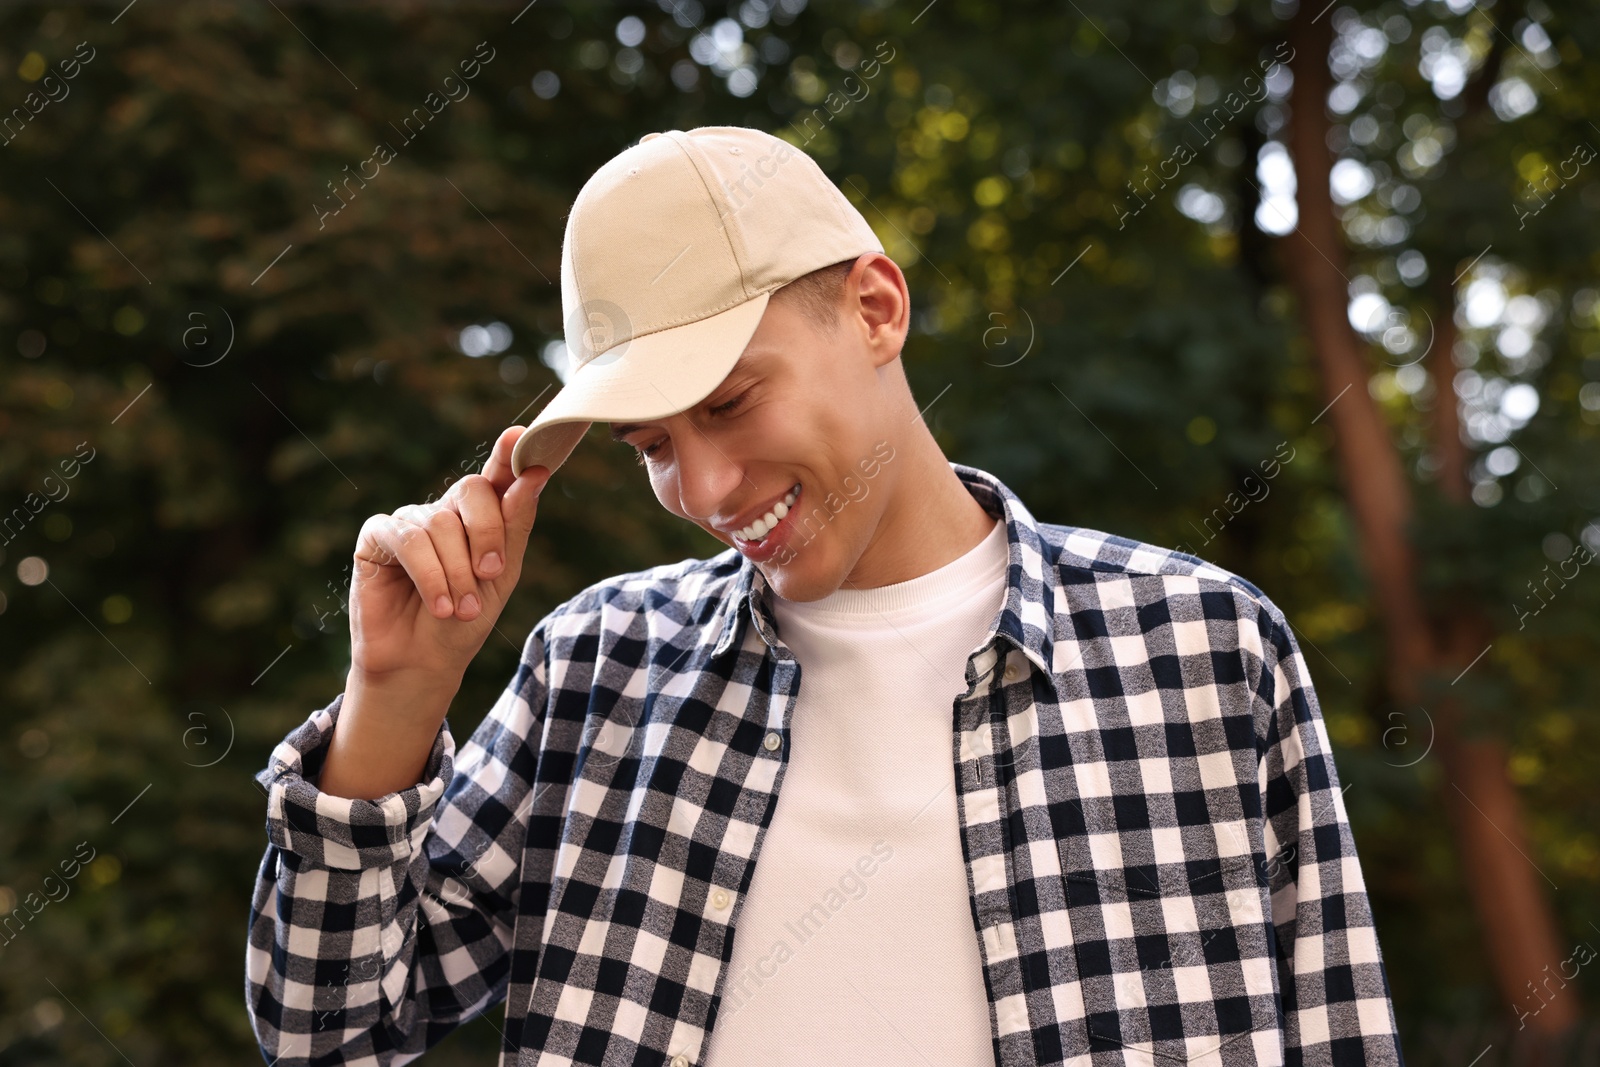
point(648, 137)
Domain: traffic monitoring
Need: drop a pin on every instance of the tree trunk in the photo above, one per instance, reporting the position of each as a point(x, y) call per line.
point(1507, 890)
point(1485, 809)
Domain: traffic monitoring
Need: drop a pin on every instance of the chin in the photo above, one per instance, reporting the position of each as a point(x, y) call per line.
point(810, 575)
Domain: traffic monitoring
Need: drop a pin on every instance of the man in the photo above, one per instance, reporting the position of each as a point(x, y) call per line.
point(1046, 795)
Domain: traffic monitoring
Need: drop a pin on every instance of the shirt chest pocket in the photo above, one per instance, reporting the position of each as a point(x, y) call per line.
point(1174, 955)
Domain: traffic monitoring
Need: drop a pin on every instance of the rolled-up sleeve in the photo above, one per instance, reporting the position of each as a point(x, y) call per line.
point(337, 832)
point(379, 926)
point(1336, 1000)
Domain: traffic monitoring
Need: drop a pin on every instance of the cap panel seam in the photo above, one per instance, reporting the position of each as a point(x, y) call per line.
point(692, 150)
point(584, 194)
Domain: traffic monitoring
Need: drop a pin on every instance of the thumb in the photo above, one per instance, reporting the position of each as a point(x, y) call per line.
point(518, 507)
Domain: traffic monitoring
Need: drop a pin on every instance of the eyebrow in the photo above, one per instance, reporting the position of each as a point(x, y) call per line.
point(746, 362)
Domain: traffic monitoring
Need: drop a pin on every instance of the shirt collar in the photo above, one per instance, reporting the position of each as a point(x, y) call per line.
point(1026, 619)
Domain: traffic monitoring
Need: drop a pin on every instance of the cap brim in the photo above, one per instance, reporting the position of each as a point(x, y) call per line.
point(647, 377)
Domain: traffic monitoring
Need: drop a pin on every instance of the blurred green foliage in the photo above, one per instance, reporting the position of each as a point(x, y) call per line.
point(174, 607)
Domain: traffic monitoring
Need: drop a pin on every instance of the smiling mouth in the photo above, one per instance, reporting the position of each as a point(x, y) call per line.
point(756, 533)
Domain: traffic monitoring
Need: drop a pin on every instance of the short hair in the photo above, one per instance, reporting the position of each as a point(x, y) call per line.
point(818, 294)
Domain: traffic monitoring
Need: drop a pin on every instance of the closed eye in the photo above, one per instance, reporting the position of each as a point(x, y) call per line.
point(725, 408)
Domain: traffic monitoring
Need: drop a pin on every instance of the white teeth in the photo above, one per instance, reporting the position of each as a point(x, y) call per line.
point(759, 529)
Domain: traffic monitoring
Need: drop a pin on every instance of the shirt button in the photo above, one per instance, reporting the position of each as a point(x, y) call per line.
point(1013, 671)
point(719, 899)
point(772, 741)
point(680, 1060)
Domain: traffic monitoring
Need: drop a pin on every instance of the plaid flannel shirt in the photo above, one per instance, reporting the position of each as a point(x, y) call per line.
point(1159, 860)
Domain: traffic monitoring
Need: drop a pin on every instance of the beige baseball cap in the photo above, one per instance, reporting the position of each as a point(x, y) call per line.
point(671, 252)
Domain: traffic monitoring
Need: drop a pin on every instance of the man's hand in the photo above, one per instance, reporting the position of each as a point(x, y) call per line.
point(428, 584)
point(430, 580)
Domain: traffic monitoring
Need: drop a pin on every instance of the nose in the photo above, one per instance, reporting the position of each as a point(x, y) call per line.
point(708, 474)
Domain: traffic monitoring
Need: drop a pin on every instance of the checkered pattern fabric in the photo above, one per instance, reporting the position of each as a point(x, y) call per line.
point(1160, 864)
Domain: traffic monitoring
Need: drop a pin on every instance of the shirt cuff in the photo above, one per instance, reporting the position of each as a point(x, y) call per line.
point(340, 832)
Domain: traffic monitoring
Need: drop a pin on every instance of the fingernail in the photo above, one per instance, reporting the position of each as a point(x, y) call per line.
point(490, 562)
point(469, 604)
point(442, 606)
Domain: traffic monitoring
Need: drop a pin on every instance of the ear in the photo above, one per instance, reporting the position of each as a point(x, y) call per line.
point(878, 305)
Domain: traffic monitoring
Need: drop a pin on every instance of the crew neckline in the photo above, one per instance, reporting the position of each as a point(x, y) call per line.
point(974, 570)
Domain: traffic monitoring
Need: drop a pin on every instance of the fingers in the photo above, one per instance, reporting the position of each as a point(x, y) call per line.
point(433, 545)
point(476, 534)
point(518, 508)
point(498, 467)
point(478, 505)
point(386, 540)
point(449, 539)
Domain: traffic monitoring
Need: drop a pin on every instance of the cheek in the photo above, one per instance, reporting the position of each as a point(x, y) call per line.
point(663, 487)
point(664, 484)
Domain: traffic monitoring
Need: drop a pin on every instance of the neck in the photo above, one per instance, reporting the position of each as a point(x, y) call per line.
point(930, 520)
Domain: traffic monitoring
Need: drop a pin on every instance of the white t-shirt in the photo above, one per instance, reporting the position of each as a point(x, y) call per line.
point(856, 941)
